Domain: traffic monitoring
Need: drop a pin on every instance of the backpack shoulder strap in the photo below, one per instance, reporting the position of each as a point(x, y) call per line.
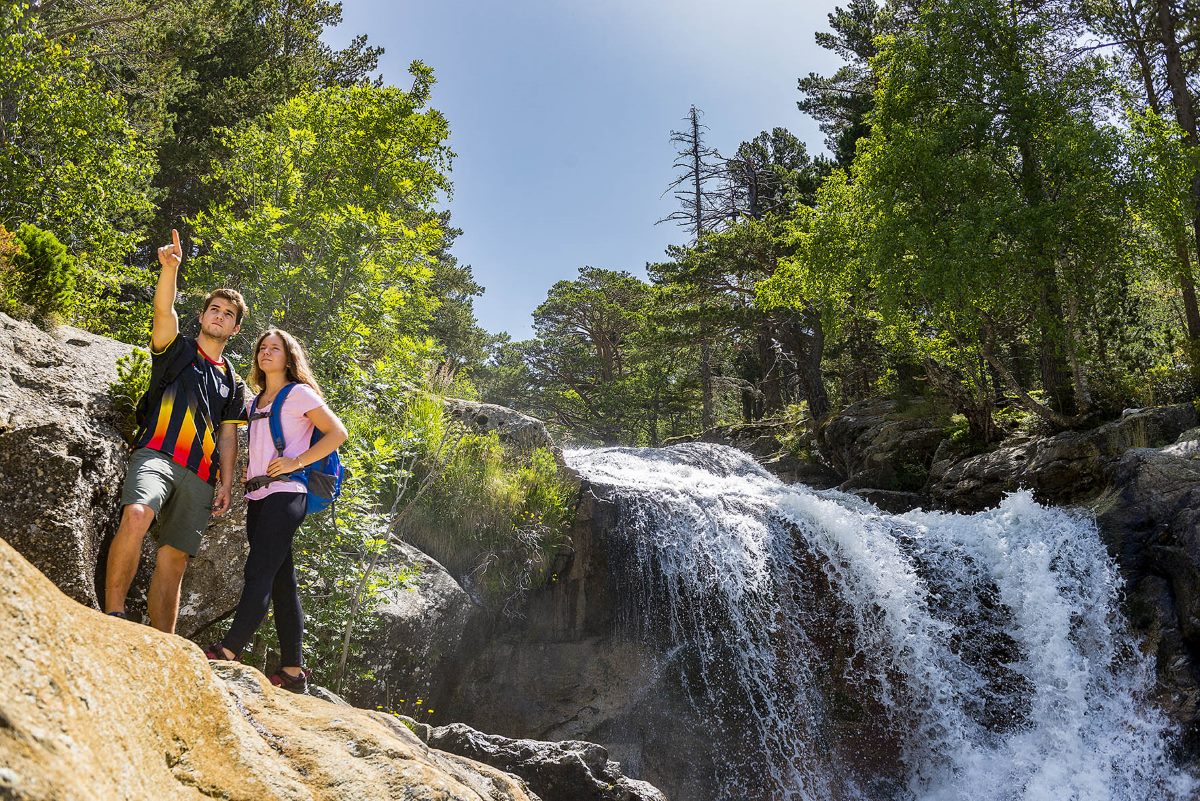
point(230, 375)
point(175, 368)
point(276, 420)
point(163, 373)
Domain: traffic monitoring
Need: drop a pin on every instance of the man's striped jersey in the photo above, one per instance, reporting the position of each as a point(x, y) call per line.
point(184, 426)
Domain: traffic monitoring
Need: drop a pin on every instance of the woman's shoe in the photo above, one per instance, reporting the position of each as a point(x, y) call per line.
point(216, 653)
point(293, 684)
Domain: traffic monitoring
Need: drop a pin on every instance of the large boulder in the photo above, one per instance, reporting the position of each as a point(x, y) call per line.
point(62, 461)
point(876, 444)
point(418, 630)
point(94, 707)
point(564, 771)
point(522, 432)
point(1067, 468)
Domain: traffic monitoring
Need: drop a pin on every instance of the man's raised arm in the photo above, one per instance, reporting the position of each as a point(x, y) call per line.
point(166, 320)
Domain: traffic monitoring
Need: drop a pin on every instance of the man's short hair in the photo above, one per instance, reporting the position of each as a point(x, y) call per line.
point(231, 295)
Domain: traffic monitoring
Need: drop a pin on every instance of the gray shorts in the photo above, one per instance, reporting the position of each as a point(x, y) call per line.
point(181, 501)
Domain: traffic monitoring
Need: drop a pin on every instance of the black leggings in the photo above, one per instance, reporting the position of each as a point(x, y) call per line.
point(271, 525)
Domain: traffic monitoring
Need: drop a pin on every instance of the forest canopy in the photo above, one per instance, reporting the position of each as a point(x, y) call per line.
point(1006, 217)
point(1007, 223)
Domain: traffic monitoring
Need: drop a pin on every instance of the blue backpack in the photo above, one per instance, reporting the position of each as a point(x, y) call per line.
point(323, 478)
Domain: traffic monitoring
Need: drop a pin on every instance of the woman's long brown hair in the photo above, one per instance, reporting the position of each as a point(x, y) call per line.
point(297, 363)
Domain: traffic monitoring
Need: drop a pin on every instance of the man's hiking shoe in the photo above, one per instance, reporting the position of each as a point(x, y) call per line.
point(121, 615)
point(216, 653)
point(293, 684)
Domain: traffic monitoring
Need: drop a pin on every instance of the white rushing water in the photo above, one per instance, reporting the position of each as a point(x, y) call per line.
point(991, 646)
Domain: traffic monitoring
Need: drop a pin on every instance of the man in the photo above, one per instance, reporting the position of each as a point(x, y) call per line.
point(183, 459)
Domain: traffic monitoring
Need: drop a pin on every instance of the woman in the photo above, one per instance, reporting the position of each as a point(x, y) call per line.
point(275, 511)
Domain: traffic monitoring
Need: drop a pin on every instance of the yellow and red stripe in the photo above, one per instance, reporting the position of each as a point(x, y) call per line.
point(163, 420)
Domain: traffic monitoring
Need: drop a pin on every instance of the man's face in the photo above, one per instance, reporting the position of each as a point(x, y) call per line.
point(219, 320)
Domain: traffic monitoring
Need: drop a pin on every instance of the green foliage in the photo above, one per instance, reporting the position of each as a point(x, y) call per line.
point(44, 272)
point(10, 248)
point(990, 194)
point(493, 518)
point(597, 367)
point(329, 227)
point(192, 68)
point(70, 162)
point(841, 102)
point(133, 377)
point(796, 439)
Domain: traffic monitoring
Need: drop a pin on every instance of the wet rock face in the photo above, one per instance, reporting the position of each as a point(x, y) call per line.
point(95, 707)
point(561, 672)
point(573, 669)
point(1151, 521)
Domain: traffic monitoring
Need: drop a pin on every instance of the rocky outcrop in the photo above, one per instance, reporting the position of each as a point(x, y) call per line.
point(418, 632)
point(1064, 469)
point(566, 671)
point(521, 431)
point(94, 707)
point(901, 458)
point(563, 771)
point(62, 461)
point(1151, 520)
point(874, 444)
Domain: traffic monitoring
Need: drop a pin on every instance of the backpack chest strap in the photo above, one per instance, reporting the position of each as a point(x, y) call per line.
point(274, 416)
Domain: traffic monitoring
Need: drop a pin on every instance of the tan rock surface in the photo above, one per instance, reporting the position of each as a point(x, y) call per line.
point(92, 707)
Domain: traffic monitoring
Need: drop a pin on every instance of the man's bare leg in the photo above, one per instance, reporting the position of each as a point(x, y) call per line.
point(164, 587)
point(124, 554)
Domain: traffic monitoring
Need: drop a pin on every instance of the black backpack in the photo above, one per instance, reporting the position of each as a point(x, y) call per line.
point(162, 375)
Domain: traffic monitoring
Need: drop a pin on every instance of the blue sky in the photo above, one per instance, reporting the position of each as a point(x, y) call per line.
point(561, 113)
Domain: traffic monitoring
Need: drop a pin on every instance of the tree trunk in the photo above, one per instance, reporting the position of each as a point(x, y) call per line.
point(1056, 374)
point(707, 420)
point(805, 338)
point(1185, 115)
point(772, 395)
point(1051, 415)
point(976, 406)
point(1188, 285)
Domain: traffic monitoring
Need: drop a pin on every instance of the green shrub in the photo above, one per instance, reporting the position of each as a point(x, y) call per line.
point(796, 438)
point(45, 272)
point(133, 376)
point(10, 246)
point(493, 519)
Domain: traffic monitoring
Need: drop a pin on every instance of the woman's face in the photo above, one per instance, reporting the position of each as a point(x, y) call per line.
point(272, 357)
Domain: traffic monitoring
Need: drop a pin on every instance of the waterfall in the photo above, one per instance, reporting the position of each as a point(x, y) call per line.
point(838, 652)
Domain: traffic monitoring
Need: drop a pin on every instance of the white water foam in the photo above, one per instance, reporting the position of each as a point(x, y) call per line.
point(993, 641)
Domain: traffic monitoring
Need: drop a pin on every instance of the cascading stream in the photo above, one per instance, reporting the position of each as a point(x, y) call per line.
point(981, 657)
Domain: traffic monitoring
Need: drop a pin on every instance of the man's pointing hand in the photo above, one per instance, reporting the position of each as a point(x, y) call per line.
point(171, 255)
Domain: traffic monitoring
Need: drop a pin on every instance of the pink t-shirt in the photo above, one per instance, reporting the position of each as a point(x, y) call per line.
point(297, 436)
